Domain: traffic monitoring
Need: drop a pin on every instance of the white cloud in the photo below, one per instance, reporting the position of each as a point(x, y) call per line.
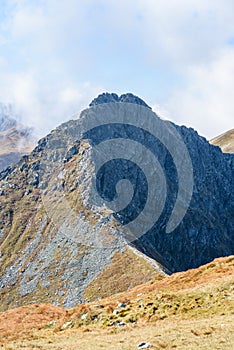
point(171, 33)
point(206, 103)
point(49, 49)
point(38, 77)
point(44, 107)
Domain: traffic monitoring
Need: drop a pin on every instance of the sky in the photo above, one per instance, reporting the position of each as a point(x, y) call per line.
point(178, 55)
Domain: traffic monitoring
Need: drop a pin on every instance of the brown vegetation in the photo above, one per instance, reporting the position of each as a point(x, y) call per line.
point(225, 141)
point(188, 310)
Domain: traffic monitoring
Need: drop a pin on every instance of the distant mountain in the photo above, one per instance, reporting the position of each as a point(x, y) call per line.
point(225, 141)
point(15, 139)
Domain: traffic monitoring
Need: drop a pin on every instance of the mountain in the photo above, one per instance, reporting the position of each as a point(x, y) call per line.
point(15, 140)
point(225, 141)
point(60, 242)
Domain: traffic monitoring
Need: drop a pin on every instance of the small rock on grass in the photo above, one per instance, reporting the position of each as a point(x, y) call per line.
point(144, 345)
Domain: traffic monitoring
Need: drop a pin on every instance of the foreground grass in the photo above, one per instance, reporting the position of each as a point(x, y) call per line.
point(189, 310)
point(204, 333)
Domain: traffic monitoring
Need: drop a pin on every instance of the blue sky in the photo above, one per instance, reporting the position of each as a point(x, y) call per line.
point(178, 55)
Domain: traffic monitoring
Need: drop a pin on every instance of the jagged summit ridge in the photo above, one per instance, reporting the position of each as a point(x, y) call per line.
point(107, 97)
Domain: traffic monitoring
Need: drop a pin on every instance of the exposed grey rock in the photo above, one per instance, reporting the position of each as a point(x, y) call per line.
point(121, 305)
point(207, 229)
point(110, 98)
point(72, 151)
point(144, 345)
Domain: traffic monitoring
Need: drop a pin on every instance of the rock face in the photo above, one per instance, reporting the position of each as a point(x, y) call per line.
point(15, 140)
point(57, 246)
point(207, 230)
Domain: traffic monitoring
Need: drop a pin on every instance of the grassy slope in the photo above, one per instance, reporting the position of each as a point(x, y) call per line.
point(225, 141)
point(188, 310)
point(12, 140)
point(113, 280)
point(21, 217)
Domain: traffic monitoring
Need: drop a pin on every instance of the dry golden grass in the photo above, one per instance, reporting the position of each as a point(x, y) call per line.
point(204, 334)
point(188, 310)
point(225, 141)
point(112, 279)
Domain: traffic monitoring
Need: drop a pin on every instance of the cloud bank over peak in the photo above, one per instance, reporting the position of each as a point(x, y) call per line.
point(56, 56)
point(207, 101)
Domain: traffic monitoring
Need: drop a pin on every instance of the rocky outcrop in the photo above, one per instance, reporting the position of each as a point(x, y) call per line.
point(114, 98)
point(58, 246)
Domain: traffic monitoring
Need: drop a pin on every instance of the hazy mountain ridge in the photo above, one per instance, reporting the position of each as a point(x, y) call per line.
point(15, 139)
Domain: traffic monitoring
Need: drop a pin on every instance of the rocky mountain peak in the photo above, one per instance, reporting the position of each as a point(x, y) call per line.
point(114, 98)
point(58, 246)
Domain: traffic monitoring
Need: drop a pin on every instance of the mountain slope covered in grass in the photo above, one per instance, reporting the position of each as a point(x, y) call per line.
point(188, 310)
point(225, 141)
